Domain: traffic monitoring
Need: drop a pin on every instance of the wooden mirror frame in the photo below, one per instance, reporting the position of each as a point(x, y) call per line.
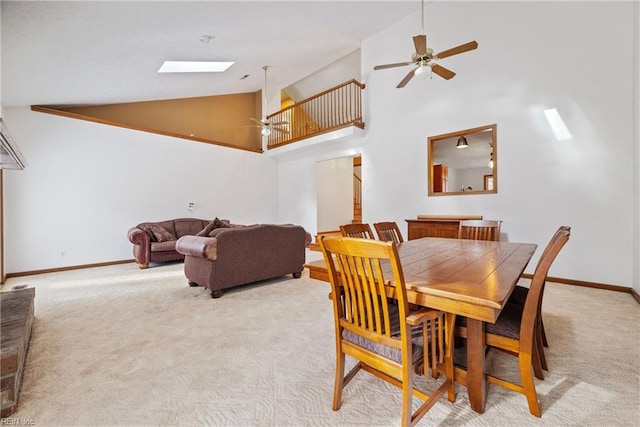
point(475, 135)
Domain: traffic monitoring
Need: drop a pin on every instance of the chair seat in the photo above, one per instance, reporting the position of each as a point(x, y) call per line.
point(519, 295)
point(507, 325)
point(386, 351)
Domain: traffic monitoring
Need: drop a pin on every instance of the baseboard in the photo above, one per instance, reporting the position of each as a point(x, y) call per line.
point(586, 284)
point(68, 268)
point(573, 282)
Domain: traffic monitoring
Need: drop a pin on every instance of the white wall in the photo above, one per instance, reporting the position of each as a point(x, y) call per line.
point(531, 56)
point(335, 193)
point(0, 65)
point(340, 71)
point(635, 54)
point(86, 184)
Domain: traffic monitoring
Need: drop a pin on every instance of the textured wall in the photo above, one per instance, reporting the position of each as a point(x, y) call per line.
point(531, 56)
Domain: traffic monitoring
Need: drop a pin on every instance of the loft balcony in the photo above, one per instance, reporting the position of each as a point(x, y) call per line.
point(336, 113)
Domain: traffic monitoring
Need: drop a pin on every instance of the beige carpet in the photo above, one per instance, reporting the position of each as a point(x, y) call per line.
point(122, 346)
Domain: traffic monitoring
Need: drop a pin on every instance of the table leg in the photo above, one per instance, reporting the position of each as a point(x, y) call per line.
point(476, 386)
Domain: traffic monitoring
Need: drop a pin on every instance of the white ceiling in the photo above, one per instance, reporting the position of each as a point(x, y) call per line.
point(91, 52)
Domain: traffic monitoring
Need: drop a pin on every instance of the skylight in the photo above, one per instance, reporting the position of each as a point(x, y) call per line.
point(558, 126)
point(194, 67)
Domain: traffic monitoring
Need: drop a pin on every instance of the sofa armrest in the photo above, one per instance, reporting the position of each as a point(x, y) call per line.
point(198, 246)
point(138, 236)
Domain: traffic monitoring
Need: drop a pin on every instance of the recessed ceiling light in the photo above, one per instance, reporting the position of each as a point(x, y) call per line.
point(194, 67)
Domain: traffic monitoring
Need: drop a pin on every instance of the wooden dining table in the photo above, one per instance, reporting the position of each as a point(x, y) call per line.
point(471, 278)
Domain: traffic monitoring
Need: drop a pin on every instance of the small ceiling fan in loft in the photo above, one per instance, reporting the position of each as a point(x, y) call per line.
point(423, 57)
point(266, 125)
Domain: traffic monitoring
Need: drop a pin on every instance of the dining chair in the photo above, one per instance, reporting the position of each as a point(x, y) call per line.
point(514, 332)
point(362, 231)
point(519, 296)
point(388, 231)
point(479, 229)
point(385, 338)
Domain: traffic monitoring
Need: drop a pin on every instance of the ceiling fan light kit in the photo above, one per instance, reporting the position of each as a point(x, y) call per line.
point(423, 57)
point(423, 71)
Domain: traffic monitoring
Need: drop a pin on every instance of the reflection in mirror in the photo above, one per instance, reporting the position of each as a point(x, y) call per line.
point(464, 162)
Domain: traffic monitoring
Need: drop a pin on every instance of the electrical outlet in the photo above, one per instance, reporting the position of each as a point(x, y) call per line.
point(63, 253)
point(190, 206)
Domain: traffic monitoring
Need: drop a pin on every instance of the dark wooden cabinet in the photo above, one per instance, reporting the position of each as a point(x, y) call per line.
point(436, 225)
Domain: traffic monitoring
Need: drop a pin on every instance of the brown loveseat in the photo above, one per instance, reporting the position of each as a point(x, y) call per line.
point(159, 247)
point(229, 257)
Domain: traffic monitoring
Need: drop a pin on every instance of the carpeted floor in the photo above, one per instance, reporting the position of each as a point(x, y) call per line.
point(122, 346)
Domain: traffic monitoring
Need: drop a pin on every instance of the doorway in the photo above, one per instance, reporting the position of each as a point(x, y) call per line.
point(339, 197)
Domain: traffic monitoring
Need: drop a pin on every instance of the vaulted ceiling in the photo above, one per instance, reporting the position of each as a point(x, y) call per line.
point(88, 52)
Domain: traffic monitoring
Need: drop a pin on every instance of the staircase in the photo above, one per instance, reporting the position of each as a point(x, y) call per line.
point(357, 213)
point(357, 190)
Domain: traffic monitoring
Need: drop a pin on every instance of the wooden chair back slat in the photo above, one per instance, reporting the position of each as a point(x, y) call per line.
point(388, 231)
point(479, 229)
point(360, 231)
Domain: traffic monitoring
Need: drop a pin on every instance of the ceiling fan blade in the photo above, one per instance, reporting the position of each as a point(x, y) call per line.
point(458, 49)
point(406, 79)
point(442, 72)
point(260, 122)
point(280, 130)
point(397, 64)
point(282, 123)
point(420, 42)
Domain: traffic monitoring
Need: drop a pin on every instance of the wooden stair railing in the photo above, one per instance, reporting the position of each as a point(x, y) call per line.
point(333, 109)
point(357, 199)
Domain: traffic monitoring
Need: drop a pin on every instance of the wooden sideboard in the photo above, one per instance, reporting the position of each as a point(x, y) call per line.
point(436, 225)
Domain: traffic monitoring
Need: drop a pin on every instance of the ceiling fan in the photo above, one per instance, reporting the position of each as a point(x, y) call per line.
point(423, 56)
point(266, 125)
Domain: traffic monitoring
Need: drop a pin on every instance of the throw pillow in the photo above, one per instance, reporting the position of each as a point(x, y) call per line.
point(221, 223)
point(160, 233)
point(216, 223)
point(205, 231)
point(146, 229)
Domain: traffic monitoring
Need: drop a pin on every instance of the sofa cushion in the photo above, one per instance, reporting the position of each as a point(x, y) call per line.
point(169, 245)
point(188, 226)
point(160, 233)
point(167, 225)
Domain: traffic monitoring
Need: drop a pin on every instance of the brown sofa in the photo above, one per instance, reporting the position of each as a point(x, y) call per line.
point(148, 248)
point(239, 255)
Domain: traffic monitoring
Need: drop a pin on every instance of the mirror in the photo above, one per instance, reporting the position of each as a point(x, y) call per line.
point(460, 162)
